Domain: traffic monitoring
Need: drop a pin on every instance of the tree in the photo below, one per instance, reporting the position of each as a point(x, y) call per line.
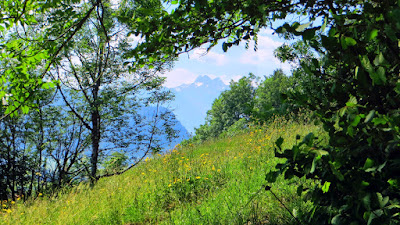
point(78, 46)
point(19, 161)
point(33, 35)
point(268, 97)
point(232, 105)
point(66, 142)
point(96, 86)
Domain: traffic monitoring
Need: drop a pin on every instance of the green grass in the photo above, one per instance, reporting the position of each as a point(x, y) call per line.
point(217, 182)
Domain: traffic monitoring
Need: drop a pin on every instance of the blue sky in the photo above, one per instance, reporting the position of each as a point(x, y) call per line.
point(233, 64)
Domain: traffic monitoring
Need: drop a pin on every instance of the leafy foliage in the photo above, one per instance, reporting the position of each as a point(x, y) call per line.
point(231, 106)
point(77, 47)
point(268, 99)
point(355, 90)
point(357, 102)
point(245, 102)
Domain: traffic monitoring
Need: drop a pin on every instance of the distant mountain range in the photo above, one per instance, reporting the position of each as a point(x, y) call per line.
point(181, 133)
point(192, 101)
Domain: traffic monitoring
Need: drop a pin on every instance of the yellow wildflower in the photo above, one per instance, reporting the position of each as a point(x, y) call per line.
point(40, 194)
point(198, 177)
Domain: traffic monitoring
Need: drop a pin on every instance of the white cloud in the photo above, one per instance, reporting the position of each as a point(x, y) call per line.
point(266, 31)
point(234, 64)
point(178, 77)
point(264, 53)
point(264, 56)
point(201, 55)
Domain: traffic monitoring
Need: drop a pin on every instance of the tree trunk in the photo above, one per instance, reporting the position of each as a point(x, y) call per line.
point(95, 119)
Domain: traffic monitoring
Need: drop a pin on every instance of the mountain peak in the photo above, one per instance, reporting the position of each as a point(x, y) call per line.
point(207, 79)
point(203, 79)
point(192, 101)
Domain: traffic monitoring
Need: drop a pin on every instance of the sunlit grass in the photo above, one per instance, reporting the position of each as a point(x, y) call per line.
point(217, 182)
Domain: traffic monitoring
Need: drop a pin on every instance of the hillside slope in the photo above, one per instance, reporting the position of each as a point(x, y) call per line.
point(218, 182)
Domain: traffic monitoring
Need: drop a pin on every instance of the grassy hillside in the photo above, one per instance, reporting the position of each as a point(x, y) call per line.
point(218, 182)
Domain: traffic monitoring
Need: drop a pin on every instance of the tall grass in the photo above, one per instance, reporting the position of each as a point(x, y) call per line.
point(216, 182)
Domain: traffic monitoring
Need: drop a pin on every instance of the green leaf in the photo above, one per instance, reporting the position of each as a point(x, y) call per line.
point(379, 59)
point(336, 172)
point(309, 139)
point(25, 109)
point(151, 59)
point(380, 167)
point(350, 41)
point(350, 131)
point(336, 220)
point(320, 152)
point(352, 102)
point(325, 187)
point(372, 34)
point(366, 200)
point(381, 74)
point(302, 27)
point(382, 200)
point(224, 47)
point(374, 214)
point(324, 24)
point(356, 121)
point(369, 68)
point(312, 170)
point(46, 85)
point(356, 71)
point(342, 111)
point(369, 117)
point(368, 164)
point(379, 121)
point(364, 183)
